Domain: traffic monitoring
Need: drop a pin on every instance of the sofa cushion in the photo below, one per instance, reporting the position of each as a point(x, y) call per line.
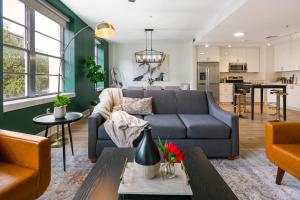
point(17, 182)
point(102, 134)
point(163, 101)
point(133, 93)
point(137, 106)
point(205, 127)
point(191, 102)
point(166, 126)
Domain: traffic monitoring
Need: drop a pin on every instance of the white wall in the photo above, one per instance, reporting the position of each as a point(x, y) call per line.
point(180, 54)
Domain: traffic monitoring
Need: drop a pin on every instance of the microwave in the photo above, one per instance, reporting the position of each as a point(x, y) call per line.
point(237, 67)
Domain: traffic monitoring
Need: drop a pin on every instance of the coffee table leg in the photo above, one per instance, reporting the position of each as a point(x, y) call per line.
point(46, 132)
point(71, 141)
point(63, 147)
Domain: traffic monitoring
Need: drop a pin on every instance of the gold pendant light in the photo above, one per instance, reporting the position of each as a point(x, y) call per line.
point(104, 30)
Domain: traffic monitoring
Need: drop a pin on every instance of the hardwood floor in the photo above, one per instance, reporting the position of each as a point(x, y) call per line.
point(252, 133)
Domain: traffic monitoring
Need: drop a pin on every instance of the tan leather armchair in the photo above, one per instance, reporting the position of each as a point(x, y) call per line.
point(25, 165)
point(283, 147)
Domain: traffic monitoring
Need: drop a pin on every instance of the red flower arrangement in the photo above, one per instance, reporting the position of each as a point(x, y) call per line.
point(171, 153)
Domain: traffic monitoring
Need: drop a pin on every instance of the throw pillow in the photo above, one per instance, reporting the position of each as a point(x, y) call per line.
point(137, 106)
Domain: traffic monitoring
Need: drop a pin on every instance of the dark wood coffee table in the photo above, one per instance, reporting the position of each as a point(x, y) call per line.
point(104, 179)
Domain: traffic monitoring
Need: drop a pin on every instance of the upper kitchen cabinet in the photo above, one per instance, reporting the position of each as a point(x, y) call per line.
point(209, 54)
point(286, 56)
point(295, 55)
point(249, 55)
point(224, 59)
point(281, 56)
point(253, 59)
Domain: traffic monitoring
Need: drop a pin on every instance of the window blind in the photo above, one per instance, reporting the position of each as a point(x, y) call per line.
point(48, 10)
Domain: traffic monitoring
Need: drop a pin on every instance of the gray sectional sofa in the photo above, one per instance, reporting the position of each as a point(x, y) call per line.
point(186, 118)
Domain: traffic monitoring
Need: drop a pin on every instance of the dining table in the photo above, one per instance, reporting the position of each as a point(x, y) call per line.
point(249, 87)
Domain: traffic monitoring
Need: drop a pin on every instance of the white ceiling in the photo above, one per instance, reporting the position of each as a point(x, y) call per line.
point(171, 19)
point(258, 19)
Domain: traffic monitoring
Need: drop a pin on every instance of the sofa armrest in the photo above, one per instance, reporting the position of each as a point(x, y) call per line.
point(282, 133)
point(28, 151)
point(228, 118)
point(94, 121)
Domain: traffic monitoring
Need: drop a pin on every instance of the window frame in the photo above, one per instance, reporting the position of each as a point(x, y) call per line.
point(29, 48)
point(98, 43)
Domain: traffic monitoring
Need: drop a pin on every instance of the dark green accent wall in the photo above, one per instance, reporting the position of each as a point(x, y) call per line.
point(83, 46)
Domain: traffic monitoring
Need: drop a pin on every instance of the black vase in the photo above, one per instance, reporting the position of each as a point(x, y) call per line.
point(147, 152)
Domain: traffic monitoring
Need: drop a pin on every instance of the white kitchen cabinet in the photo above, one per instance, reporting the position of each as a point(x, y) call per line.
point(294, 55)
point(224, 59)
point(253, 59)
point(226, 92)
point(281, 56)
point(250, 55)
point(286, 56)
point(209, 54)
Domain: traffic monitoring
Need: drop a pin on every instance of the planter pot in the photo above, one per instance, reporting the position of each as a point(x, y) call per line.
point(60, 112)
point(147, 157)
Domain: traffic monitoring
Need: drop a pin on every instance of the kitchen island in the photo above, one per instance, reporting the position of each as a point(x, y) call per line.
point(252, 88)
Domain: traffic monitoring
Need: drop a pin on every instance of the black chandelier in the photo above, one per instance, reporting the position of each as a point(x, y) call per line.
point(149, 55)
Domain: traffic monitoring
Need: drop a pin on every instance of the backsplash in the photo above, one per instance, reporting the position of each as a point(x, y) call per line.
point(290, 74)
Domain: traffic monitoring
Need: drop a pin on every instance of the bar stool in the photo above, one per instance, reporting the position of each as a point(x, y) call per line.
point(278, 93)
point(240, 108)
point(244, 97)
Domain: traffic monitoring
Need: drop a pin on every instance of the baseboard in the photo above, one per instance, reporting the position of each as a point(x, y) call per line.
point(53, 129)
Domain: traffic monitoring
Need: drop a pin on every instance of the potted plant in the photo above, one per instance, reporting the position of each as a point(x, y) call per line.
point(95, 73)
point(171, 155)
point(151, 81)
point(60, 106)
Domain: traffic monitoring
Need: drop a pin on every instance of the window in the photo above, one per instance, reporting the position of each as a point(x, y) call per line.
point(31, 52)
point(99, 58)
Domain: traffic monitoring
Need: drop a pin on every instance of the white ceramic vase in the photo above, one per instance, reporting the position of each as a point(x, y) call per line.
point(60, 112)
point(147, 171)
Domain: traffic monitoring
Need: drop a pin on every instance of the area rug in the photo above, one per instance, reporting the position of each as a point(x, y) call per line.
point(251, 176)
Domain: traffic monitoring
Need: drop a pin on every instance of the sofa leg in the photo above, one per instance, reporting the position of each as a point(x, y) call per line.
point(280, 174)
point(93, 160)
point(230, 157)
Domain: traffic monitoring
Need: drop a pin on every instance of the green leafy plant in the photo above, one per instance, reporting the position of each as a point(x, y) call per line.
point(95, 73)
point(61, 101)
point(95, 102)
point(150, 81)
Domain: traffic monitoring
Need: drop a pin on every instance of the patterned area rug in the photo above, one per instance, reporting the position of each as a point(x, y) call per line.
point(251, 176)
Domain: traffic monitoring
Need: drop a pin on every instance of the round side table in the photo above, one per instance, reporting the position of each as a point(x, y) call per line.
point(49, 120)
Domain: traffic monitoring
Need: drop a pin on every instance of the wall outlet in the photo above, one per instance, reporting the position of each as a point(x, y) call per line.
point(48, 110)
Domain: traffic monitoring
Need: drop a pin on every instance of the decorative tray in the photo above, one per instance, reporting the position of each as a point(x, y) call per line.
point(132, 184)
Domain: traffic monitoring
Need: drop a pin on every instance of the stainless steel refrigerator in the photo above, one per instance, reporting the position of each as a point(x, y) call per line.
point(208, 77)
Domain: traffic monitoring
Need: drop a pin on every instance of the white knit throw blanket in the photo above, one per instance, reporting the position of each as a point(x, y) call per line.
point(121, 127)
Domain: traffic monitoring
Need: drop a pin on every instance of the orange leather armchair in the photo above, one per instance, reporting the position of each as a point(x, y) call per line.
point(25, 165)
point(283, 147)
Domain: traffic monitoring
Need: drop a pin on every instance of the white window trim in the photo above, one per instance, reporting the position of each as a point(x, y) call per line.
point(29, 102)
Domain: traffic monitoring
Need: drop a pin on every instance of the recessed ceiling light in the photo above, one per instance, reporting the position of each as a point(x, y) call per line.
point(201, 53)
point(269, 44)
point(206, 45)
point(132, 1)
point(229, 46)
point(238, 34)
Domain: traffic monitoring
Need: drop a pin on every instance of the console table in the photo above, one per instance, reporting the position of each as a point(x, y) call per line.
point(252, 88)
